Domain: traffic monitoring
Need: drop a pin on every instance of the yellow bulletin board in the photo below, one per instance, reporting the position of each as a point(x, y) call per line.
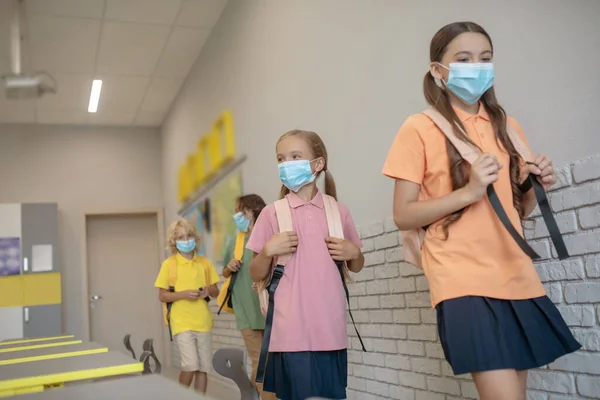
point(209, 181)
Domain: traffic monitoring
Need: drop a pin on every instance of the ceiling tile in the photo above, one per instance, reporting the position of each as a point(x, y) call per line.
point(181, 52)
point(150, 11)
point(149, 118)
point(130, 49)
point(69, 117)
point(200, 13)
point(73, 93)
point(111, 118)
point(122, 93)
point(63, 44)
point(161, 93)
point(67, 8)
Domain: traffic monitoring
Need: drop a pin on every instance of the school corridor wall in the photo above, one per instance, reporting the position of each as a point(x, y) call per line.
point(391, 306)
point(352, 71)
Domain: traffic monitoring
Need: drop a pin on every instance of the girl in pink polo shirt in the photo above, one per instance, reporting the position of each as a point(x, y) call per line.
point(307, 352)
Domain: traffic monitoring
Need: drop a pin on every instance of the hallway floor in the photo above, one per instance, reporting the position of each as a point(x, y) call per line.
point(216, 389)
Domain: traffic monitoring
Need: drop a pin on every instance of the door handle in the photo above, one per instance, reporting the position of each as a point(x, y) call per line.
point(95, 297)
point(26, 309)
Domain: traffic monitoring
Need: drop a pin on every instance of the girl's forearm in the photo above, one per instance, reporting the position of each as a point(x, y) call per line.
point(260, 266)
point(357, 264)
point(417, 214)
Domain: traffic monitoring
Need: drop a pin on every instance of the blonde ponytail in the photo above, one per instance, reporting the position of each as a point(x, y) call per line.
point(283, 192)
point(330, 188)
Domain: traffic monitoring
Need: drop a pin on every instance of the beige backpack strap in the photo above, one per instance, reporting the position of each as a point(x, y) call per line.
point(519, 144)
point(284, 220)
point(334, 220)
point(466, 150)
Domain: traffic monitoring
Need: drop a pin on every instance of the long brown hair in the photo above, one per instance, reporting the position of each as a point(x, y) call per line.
point(317, 147)
point(440, 100)
point(251, 202)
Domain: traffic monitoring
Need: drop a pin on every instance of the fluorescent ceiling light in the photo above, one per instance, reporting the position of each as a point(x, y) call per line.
point(95, 95)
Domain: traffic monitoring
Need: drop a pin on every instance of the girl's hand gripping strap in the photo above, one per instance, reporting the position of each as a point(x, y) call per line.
point(470, 154)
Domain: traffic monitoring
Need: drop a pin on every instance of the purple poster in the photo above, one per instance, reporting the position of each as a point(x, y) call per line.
point(10, 256)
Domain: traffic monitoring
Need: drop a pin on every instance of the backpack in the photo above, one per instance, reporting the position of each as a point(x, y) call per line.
point(266, 289)
point(172, 266)
point(412, 240)
point(225, 294)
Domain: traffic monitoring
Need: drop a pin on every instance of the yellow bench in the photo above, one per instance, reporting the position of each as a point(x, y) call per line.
point(134, 388)
point(37, 345)
point(35, 377)
point(33, 340)
point(48, 353)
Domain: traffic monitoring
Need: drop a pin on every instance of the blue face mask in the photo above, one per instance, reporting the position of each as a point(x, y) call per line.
point(469, 81)
point(241, 222)
point(186, 246)
point(296, 174)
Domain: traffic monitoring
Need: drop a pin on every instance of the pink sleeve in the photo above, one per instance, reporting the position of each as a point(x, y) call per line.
point(350, 232)
point(264, 228)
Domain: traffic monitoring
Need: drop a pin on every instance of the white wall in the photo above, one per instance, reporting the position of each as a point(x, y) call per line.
point(391, 306)
point(82, 169)
point(352, 70)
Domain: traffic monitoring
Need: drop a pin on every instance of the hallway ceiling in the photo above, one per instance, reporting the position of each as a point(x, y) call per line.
point(142, 50)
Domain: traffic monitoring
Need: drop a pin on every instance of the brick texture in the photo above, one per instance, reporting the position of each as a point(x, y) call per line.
point(390, 302)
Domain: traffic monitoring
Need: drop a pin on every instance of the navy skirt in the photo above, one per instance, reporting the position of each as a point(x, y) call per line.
point(483, 334)
point(300, 375)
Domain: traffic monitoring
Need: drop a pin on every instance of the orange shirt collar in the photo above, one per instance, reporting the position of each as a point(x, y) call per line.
point(464, 116)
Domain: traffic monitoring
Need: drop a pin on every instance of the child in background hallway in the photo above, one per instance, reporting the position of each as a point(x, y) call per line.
point(307, 352)
point(191, 318)
point(494, 319)
point(249, 320)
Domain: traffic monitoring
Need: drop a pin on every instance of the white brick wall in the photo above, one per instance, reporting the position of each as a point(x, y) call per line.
point(394, 308)
point(390, 303)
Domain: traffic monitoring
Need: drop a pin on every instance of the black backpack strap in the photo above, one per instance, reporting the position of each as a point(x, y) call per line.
point(340, 266)
point(228, 297)
point(499, 210)
point(169, 305)
point(542, 200)
point(264, 349)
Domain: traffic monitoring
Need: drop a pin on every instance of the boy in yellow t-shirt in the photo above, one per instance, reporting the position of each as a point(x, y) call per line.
point(191, 320)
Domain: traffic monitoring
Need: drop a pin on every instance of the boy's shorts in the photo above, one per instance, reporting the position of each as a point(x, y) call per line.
point(195, 350)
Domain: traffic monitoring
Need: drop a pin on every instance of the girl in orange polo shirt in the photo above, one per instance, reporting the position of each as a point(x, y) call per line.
point(494, 319)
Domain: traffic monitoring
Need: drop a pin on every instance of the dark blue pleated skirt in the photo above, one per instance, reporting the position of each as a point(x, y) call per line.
point(483, 334)
point(300, 375)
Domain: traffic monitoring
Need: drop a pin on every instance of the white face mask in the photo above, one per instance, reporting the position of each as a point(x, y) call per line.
point(469, 81)
point(296, 174)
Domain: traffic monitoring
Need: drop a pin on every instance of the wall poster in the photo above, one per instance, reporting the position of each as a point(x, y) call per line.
point(10, 256)
point(222, 204)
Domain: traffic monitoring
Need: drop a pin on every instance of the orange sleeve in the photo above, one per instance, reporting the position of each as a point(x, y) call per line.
point(406, 158)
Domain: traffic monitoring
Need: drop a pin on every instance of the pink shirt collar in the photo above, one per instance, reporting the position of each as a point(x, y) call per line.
point(296, 201)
